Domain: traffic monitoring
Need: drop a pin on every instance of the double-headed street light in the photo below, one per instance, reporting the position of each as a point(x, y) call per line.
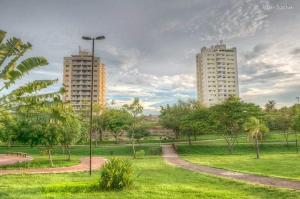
point(92, 91)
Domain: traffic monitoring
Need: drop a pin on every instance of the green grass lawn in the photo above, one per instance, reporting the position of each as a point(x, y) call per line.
point(276, 159)
point(153, 178)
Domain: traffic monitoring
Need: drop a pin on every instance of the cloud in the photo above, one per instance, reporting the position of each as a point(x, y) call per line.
point(258, 50)
point(295, 51)
point(230, 19)
point(270, 72)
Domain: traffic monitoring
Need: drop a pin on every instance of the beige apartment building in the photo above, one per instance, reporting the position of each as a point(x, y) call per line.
point(77, 80)
point(217, 74)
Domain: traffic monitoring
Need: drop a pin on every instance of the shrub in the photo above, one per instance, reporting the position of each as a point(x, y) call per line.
point(116, 174)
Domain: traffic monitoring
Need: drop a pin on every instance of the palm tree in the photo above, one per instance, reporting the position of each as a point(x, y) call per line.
point(12, 69)
point(255, 130)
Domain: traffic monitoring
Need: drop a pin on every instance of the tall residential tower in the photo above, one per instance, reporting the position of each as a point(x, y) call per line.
point(217, 74)
point(77, 80)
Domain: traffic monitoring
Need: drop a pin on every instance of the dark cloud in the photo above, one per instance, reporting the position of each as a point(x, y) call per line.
point(267, 76)
point(258, 50)
point(259, 72)
point(295, 51)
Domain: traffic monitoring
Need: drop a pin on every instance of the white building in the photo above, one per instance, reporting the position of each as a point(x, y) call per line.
point(217, 74)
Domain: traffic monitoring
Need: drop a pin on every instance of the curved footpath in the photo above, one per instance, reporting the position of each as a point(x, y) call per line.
point(171, 156)
point(97, 162)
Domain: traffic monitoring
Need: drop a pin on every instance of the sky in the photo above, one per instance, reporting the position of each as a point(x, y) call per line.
point(150, 45)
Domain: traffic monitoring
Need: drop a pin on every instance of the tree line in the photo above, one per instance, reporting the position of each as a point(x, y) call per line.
point(231, 119)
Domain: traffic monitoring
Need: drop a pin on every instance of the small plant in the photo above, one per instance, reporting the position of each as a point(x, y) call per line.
point(116, 174)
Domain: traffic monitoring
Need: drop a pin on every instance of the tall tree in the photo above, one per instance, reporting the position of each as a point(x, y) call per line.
point(283, 121)
point(7, 127)
point(70, 127)
point(99, 122)
point(172, 116)
point(197, 121)
point(135, 109)
point(295, 124)
point(40, 126)
point(118, 121)
point(230, 116)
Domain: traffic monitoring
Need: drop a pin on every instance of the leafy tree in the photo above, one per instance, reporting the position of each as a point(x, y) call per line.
point(230, 116)
point(70, 127)
point(295, 124)
point(100, 125)
point(118, 121)
point(172, 116)
point(40, 126)
point(7, 127)
point(270, 106)
point(139, 132)
point(135, 109)
point(283, 120)
point(255, 130)
point(197, 121)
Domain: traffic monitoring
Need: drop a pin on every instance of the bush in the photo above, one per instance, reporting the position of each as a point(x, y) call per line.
point(116, 174)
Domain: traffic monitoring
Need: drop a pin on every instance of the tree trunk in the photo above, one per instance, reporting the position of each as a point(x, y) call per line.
point(229, 144)
point(133, 148)
point(296, 136)
point(69, 153)
point(257, 148)
point(101, 135)
point(50, 157)
point(116, 137)
point(8, 143)
point(286, 136)
point(195, 137)
point(63, 149)
point(190, 141)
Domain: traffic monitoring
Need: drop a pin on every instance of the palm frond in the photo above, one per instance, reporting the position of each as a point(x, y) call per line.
point(23, 68)
point(11, 47)
point(11, 66)
point(18, 94)
point(33, 86)
point(2, 35)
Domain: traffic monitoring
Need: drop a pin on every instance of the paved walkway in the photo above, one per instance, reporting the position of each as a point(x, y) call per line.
point(97, 162)
point(172, 157)
point(13, 159)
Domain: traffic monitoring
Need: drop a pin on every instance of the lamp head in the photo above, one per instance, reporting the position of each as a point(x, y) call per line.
point(86, 38)
point(100, 37)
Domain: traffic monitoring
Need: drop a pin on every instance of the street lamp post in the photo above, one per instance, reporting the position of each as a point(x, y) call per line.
point(92, 92)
